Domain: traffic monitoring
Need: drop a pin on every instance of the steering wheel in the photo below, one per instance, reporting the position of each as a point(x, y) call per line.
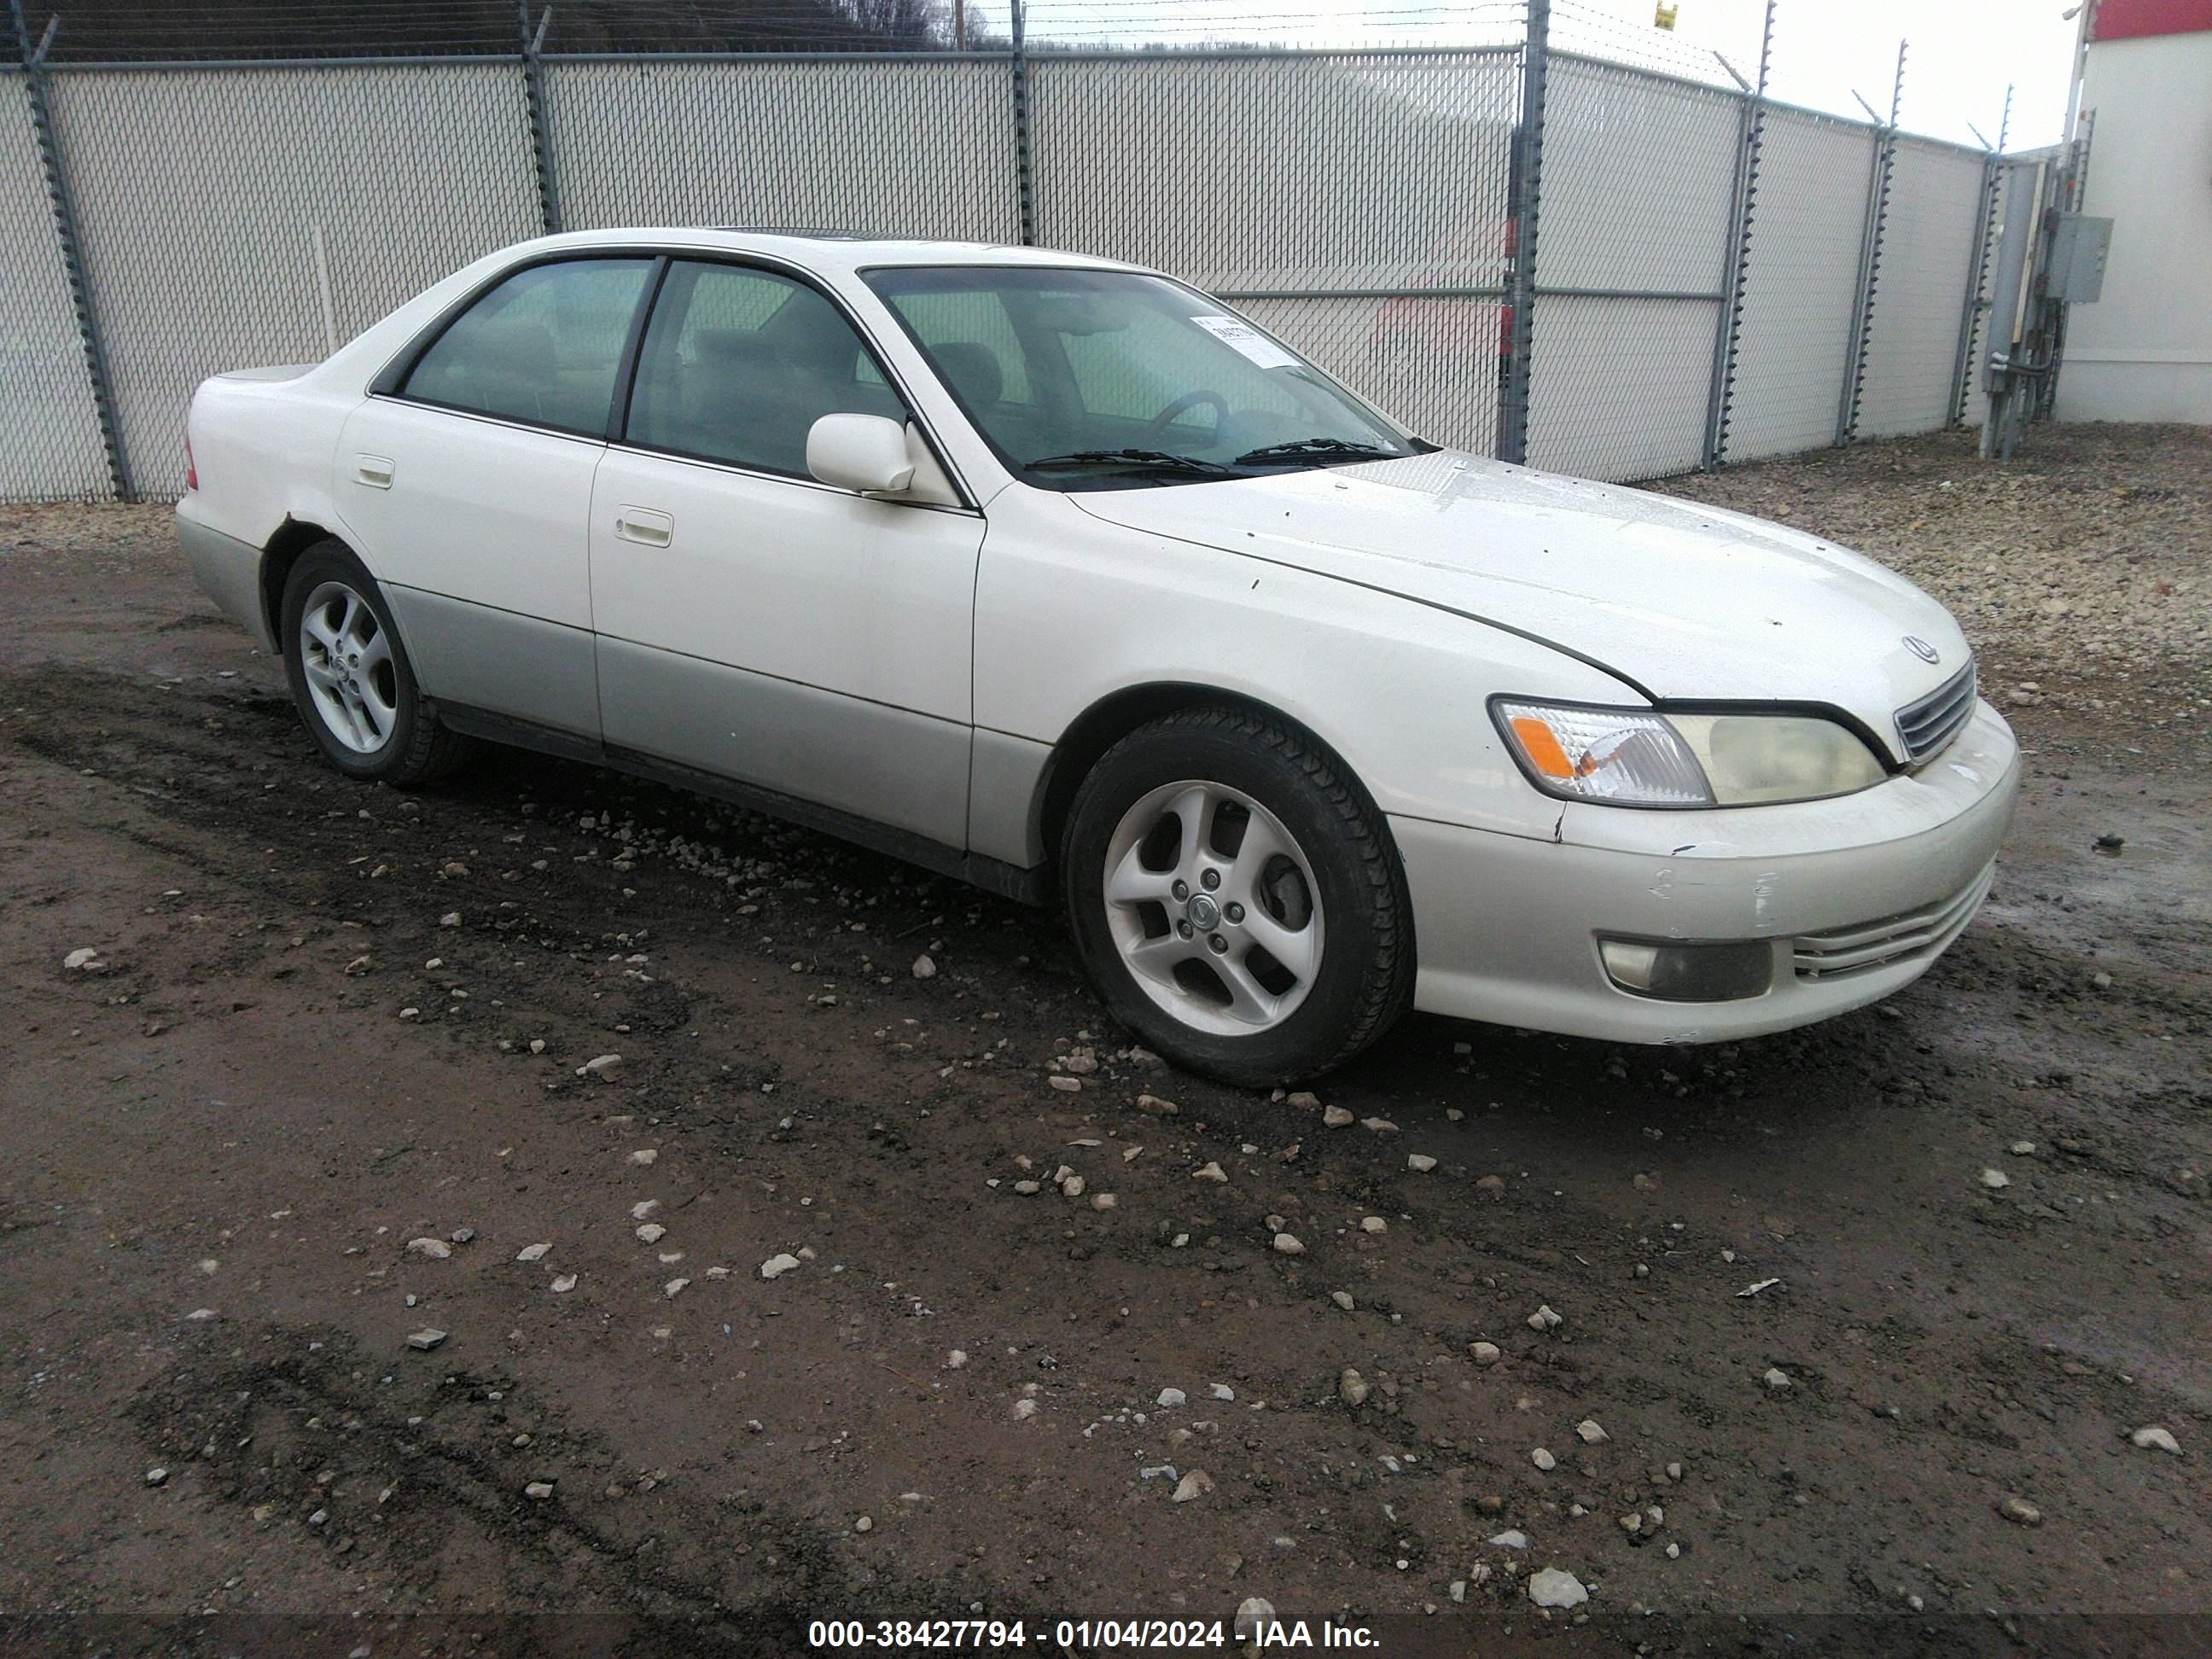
point(1157, 429)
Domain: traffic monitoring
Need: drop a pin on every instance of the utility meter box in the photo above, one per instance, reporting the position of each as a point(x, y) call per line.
point(2078, 247)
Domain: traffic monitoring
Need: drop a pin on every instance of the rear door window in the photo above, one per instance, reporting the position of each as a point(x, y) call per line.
point(544, 346)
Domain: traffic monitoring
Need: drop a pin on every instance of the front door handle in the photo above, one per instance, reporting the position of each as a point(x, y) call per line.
point(645, 526)
point(374, 470)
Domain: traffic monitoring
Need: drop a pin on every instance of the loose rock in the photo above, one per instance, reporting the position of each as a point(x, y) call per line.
point(1555, 1587)
point(436, 1249)
point(1484, 1353)
point(1352, 1387)
point(1591, 1433)
point(1419, 1163)
point(924, 968)
point(1776, 1378)
point(605, 1067)
point(2158, 1438)
point(1336, 1117)
point(1343, 1299)
point(1544, 1320)
point(1543, 1460)
point(2021, 1512)
point(1996, 1180)
point(1171, 1398)
point(780, 1263)
point(1287, 1244)
point(1209, 1172)
point(1196, 1484)
point(426, 1338)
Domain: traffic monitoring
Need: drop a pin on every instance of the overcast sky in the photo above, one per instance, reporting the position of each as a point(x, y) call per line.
point(1963, 51)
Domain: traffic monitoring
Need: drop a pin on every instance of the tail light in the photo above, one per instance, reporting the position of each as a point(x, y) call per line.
point(192, 467)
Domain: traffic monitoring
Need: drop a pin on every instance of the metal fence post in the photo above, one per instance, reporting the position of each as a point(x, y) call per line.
point(1024, 183)
point(1726, 331)
point(1885, 154)
point(58, 193)
point(541, 129)
point(1528, 159)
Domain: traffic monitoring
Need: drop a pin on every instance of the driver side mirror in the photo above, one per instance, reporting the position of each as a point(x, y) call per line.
point(863, 453)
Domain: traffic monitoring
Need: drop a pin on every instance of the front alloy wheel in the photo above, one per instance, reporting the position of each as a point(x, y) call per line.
point(346, 656)
point(1236, 897)
point(1211, 903)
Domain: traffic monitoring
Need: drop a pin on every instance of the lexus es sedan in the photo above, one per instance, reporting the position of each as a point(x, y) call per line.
point(1052, 573)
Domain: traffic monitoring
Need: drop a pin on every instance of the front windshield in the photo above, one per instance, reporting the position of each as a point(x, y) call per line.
point(1102, 379)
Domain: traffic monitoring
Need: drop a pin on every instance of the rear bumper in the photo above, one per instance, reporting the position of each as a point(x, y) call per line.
point(1856, 897)
point(228, 570)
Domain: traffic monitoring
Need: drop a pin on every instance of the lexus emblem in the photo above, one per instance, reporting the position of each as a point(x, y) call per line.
point(1920, 648)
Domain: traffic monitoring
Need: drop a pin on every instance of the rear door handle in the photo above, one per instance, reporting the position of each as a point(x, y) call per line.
point(374, 470)
point(644, 525)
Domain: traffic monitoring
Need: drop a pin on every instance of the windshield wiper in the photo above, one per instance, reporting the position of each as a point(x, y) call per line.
point(1141, 460)
point(1313, 449)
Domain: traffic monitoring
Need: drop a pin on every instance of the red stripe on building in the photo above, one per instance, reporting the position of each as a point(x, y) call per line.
point(2130, 20)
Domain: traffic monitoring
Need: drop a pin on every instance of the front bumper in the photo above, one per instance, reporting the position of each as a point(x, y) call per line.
point(1857, 896)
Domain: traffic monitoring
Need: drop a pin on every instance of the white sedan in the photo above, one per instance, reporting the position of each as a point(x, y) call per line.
point(1052, 573)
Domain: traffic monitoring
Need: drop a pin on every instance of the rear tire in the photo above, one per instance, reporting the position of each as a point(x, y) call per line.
point(350, 676)
point(1236, 899)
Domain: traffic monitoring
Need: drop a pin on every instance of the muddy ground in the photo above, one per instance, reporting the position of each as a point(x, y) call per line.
point(313, 1035)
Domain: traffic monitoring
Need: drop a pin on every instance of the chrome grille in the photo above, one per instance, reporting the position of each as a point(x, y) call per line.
point(1926, 726)
point(1866, 946)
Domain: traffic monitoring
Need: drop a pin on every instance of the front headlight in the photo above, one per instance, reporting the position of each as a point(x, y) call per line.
point(1634, 757)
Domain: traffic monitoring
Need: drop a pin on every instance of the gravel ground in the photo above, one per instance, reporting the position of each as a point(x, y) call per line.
point(328, 1084)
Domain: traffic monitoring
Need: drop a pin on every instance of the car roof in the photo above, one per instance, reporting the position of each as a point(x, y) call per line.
point(831, 250)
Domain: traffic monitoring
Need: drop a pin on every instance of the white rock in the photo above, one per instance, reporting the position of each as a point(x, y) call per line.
point(1343, 1299)
point(1287, 1244)
point(1104, 1200)
point(79, 961)
point(540, 1490)
point(956, 1359)
point(1544, 1320)
point(1210, 1172)
point(1776, 1377)
point(156, 1475)
point(1336, 1117)
point(1352, 1387)
point(1025, 1408)
point(1484, 1353)
point(643, 1208)
point(652, 1232)
point(426, 1338)
point(1072, 1186)
point(1543, 1460)
point(1153, 1106)
point(533, 1252)
point(1996, 1179)
point(924, 968)
point(1196, 1484)
point(1373, 1224)
point(1591, 1433)
point(674, 1288)
point(1513, 1539)
point(563, 1283)
point(1222, 1391)
point(537, 1045)
point(780, 1263)
point(1252, 1611)
point(1066, 1085)
point(644, 1155)
point(606, 1067)
point(1380, 1126)
point(2023, 1149)
point(450, 918)
point(2155, 1436)
point(1553, 1588)
point(436, 1249)
point(864, 1524)
point(1171, 1398)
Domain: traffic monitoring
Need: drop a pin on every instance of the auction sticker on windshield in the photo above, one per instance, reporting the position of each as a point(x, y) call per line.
point(1242, 336)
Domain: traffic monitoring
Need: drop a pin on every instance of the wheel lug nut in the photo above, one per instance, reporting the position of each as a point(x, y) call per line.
point(1235, 911)
point(1183, 929)
point(1210, 879)
point(1180, 889)
point(1220, 945)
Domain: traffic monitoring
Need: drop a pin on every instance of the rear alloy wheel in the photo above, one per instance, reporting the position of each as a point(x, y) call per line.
point(350, 676)
point(1235, 898)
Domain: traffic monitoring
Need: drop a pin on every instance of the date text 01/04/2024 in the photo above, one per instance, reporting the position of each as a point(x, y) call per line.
point(898, 1635)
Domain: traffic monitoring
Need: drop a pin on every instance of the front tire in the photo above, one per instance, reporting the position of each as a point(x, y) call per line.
point(1236, 899)
point(351, 677)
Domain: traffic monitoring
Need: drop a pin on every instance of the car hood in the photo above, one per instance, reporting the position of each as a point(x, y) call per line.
point(1686, 602)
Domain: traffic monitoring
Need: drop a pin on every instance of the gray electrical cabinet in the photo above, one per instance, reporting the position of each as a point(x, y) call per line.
point(2078, 247)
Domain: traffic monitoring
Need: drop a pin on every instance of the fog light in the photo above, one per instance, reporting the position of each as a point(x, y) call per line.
point(1689, 973)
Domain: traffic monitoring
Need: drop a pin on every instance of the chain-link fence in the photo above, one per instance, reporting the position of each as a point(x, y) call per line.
point(1603, 269)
